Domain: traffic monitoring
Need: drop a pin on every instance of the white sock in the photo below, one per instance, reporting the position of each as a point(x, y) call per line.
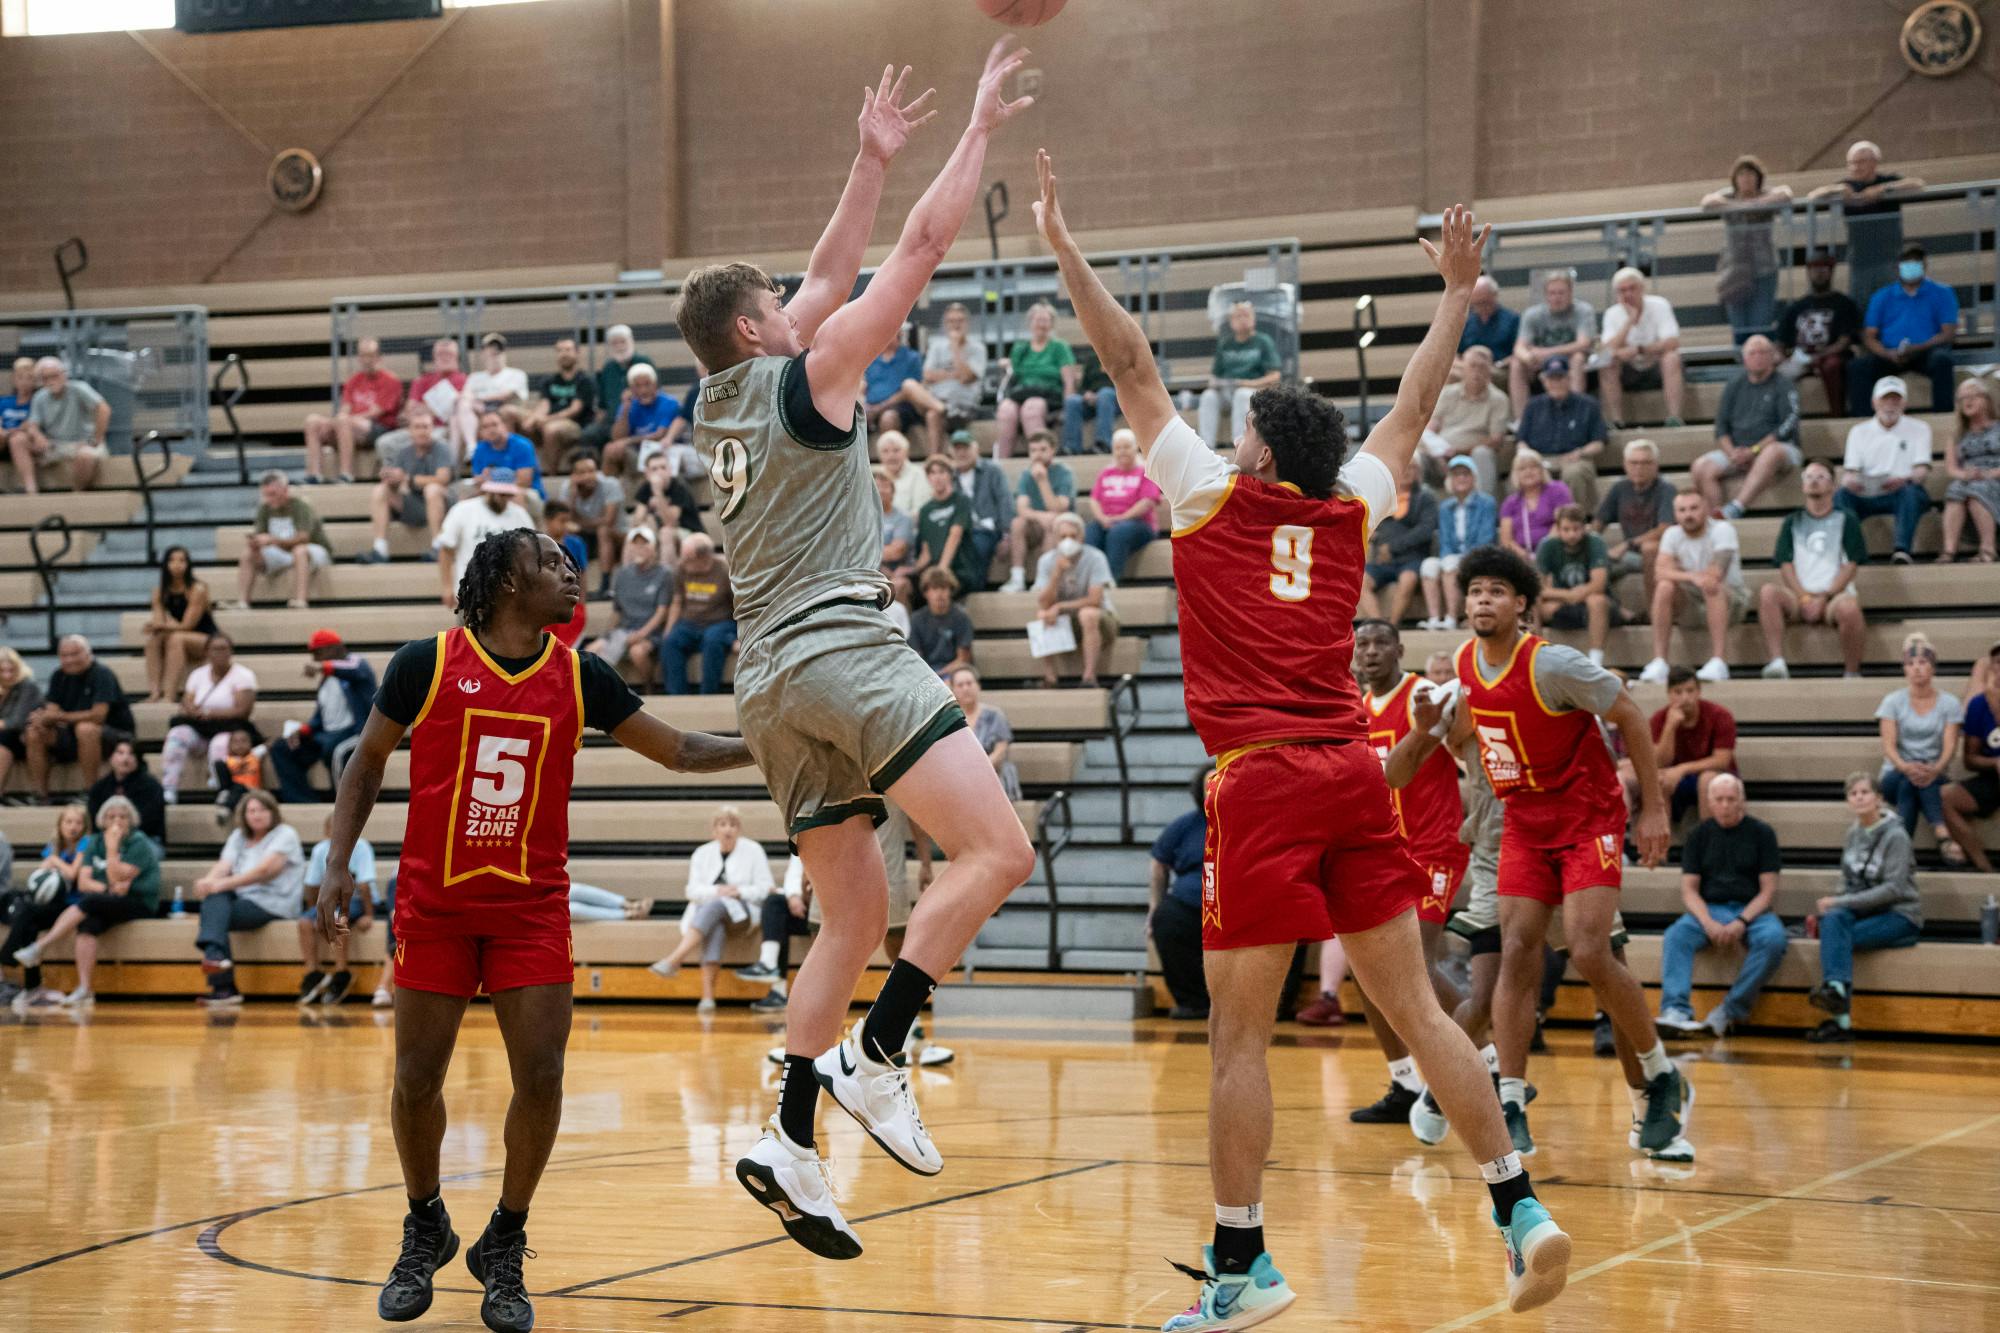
point(1020, 573)
point(382, 547)
point(1514, 1090)
point(767, 954)
point(1500, 1168)
point(1597, 657)
point(1491, 1055)
point(778, 988)
point(1655, 1061)
point(1249, 1215)
point(1404, 1073)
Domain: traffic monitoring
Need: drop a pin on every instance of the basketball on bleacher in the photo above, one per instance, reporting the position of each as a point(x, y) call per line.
point(1021, 13)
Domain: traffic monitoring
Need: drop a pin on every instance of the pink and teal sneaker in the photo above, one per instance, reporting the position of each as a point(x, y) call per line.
point(1232, 1300)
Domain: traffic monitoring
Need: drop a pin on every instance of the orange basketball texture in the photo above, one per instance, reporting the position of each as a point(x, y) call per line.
point(1021, 13)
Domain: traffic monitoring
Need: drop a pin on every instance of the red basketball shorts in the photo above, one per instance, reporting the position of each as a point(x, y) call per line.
point(467, 964)
point(1444, 870)
point(1302, 845)
point(1550, 874)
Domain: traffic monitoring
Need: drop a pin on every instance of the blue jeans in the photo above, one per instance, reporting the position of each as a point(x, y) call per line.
point(713, 642)
point(222, 913)
point(1865, 370)
point(295, 765)
point(1843, 934)
point(1753, 313)
point(1121, 541)
point(984, 543)
point(1764, 949)
point(1074, 408)
point(1909, 504)
point(1909, 798)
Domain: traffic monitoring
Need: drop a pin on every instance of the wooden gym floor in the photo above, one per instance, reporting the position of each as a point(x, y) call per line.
point(168, 1170)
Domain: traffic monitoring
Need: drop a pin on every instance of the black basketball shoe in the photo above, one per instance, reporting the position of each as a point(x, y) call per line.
point(407, 1293)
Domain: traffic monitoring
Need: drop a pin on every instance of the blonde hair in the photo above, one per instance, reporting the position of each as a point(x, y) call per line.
point(9, 655)
point(82, 812)
point(1528, 456)
point(728, 812)
point(1628, 274)
point(258, 796)
point(1985, 390)
point(1918, 642)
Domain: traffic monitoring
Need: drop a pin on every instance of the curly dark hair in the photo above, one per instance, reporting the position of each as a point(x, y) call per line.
point(1307, 435)
point(1497, 562)
point(492, 564)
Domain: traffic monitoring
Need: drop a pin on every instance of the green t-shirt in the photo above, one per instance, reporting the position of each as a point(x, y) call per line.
point(1061, 480)
point(1043, 369)
point(1570, 566)
point(935, 520)
point(136, 851)
point(292, 519)
point(1245, 360)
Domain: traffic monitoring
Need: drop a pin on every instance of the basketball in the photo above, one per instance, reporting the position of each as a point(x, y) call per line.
point(1021, 13)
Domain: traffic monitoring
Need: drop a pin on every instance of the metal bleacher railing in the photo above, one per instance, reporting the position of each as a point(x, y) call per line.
point(149, 362)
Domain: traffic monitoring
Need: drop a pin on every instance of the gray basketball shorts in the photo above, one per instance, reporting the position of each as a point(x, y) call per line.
point(836, 707)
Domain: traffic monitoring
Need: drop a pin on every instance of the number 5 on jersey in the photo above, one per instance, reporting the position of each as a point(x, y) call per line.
point(729, 473)
point(1291, 562)
point(494, 797)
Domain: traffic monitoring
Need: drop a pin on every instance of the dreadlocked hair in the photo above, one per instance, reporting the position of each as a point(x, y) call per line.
point(492, 564)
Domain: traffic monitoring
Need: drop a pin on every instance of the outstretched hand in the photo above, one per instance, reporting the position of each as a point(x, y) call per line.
point(1048, 212)
point(990, 108)
point(1457, 253)
point(885, 121)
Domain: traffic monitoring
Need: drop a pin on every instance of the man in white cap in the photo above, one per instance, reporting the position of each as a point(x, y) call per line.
point(496, 508)
point(1887, 460)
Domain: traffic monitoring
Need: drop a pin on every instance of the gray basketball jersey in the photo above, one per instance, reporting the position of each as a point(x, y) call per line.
point(802, 522)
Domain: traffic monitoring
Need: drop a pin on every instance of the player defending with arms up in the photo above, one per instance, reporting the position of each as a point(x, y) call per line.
point(838, 709)
point(1302, 841)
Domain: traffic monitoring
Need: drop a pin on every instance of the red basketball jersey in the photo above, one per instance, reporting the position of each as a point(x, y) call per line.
point(1428, 809)
point(1550, 768)
point(486, 850)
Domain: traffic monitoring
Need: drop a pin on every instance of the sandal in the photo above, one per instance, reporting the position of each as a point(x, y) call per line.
point(1947, 557)
point(1953, 854)
point(1987, 555)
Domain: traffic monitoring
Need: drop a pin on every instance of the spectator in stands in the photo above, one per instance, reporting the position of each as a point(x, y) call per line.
point(221, 694)
point(663, 501)
point(1403, 540)
point(239, 771)
point(285, 535)
point(1246, 360)
point(1470, 421)
point(559, 521)
point(259, 878)
point(1817, 332)
point(17, 402)
point(414, 488)
point(1046, 489)
point(1694, 741)
point(1909, 329)
point(179, 625)
point(899, 541)
point(439, 388)
point(1756, 431)
point(83, 712)
point(728, 877)
point(1920, 726)
point(984, 482)
point(370, 403)
point(955, 375)
point(341, 700)
point(68, 422)
point(1877, 906)
point(1643, 339)
point(701, 617)
point(621, 355)
point(913, 489)
point(1074, 581)
point(1468, 517)
point(639, 600)
point(892, 388)
point(597, 503)
point(499, 447)
point(988, 725)
point(785, 915)
point(1729, 887)
point(1567, 430)
point(1529, 513)
point(125, 776)
point(496, 508)
point(1558, 325)
point(944, 526)
point(51, 884)
point(645, 418)
point(1887, 462)
point(1874, 215)
point(1820, 549)
point(1174, 922)
point(1489, 324)
point(318, 986)
point(1122, 514)
point(1977, 796)
point(494, 387)
point(1746, 273)
point(940, 630)
point(1973, 460)
point(565, 402)
point(1698, 579)
point(20, 696)
point(1642, 506)
point(117, 880)
point(1041, 368)
point(1576, 581)
point(1096, 400)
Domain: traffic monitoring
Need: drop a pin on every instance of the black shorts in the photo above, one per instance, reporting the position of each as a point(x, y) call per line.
point(1576, 615)
point(62, 749)
point(1021, 393)
point(1640, 377)
point(1985, 789)
point(1483, 941)
point(102, 911)
point(14, 743)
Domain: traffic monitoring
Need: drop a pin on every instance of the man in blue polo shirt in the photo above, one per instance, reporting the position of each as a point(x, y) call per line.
point(1908, 330)
point(1489, 324)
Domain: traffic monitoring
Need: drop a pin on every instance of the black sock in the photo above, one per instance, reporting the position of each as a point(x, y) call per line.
point(507, 1222)
point(894, 1013)
point(1508, 1193)
point(1236, 1248)
point(429, 1211)
point(798, 1098)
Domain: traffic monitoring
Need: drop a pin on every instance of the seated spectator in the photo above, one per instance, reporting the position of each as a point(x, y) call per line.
point(438, 389)
point(1873, 214)
point(940, 630)
point(1096, 399)
point(621, 355)
point(1121, 517)
point(1699, 580)
point(1074, 581)
point(984, 482)
point(414, 488)
point(597, 505)
point(1642, 338)
point(1694, 743)
point(1528, 514)
point(1746, 273)
point(1403, 540)
point(1817, 332)
point(67, 423)
point(559, 521)
point(728, 878)
point(1576, 581)
point(913, 491)
point(1820, 549)
point(179, 626)
point(944, 527)
point(1973, 460)
point(988, 725)
point(1642, 506)
point(667, 504)
point(259, 878)
point(1468, 517)
point(701, 617)
point(639, 600)
point(341, 700)
point(1246, 360)
point(1920, 726)
point(1046, 489)
point(319, 986)
point(20, 696)
point(1470, 421)
point(51, 885)
point(17, 402)
point(497, 508)
point(892, 389)
point(1887, 461)
point(285, 535)
point(786, 915)
point(899, 542)
point(240, 771)
point(499, 447)
point(1174, 921)
point(117, 880)
point(1977, 795)
point(83, 712)
point(565, 401)
point(1567, 430)
point(1877, 906)
point(1756, 432)
point(370, 403)
point(220, 696)
point(1908, 330)
point(1040, 368)
point(1489, 324)
point(1729, 886)
point(644, 418)
point(955, 375)
point(495, 387)
point(125, 776)
point(1559, 325)
point(590, 903)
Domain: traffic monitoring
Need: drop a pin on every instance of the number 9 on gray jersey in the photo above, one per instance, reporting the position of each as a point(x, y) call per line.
point(729, 473)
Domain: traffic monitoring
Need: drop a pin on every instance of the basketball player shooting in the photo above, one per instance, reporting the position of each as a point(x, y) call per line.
point(1302, 840)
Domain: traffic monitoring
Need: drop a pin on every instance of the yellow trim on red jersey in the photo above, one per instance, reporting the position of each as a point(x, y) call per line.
point(1403, 684)
point(1228, 757)
point(1535, 689)
point(576, 683)
point(548, 651)
point(437, 679)
point(1494, 684)
point(1228, 489)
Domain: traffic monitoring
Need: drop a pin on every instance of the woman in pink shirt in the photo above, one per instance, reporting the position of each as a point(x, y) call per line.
point(1122, 514)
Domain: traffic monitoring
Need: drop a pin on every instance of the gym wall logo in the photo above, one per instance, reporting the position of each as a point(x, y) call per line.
point(295, 180)
point(1940, 37)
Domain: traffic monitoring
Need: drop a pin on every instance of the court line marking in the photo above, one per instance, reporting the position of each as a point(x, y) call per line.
point(1821, 1272)
point(1684, 1234)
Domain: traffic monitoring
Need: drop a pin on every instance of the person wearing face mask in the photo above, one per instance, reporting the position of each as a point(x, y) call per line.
point(1887, 461)
point(1909, 329)
point(1074, 581)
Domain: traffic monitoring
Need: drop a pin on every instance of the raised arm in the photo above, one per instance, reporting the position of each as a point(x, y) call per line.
point(360, 784)
point(1456, 256)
